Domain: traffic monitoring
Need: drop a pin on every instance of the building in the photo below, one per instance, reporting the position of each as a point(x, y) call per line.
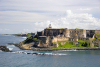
point(50, 35)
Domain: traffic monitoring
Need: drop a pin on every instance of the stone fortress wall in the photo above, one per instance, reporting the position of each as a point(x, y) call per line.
point(50, 35)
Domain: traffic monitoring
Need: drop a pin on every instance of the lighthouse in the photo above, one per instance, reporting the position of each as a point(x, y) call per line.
point(50, 26)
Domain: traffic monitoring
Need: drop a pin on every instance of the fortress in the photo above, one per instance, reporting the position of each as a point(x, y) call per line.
point(50, 35)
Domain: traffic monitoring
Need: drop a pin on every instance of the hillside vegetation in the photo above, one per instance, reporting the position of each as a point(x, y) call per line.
point(70, 44)
point(97, 36)
point(30, 39)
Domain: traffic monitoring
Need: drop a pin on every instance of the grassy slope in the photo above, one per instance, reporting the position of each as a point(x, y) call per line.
point(30, 39)
point(69, 44)
point(98, 36)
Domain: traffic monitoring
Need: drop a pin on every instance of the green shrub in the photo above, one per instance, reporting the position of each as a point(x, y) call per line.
point(99, 38)
point(35, 39)
point(98, 34)
point(61, 28)
point(76, 28)
point(94, 39)
point(30, 39)
point(84, 43)
point(28, 35)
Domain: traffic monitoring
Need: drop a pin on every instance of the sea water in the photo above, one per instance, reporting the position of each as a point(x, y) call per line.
point(61, 58)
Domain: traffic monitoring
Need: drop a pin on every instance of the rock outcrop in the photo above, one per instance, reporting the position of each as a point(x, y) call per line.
point(5, 49)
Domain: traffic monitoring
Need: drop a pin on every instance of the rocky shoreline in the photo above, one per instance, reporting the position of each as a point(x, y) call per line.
point(5, 49)
point(30, 47)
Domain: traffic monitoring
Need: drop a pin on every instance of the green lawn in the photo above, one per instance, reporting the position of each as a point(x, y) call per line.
point(70, 44)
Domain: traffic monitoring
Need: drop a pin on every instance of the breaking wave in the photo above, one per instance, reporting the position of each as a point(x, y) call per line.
point(0, 50)
point(24, 37)
point(10, 47)
point(69, 50)
point(55, 54)
point(52, 54)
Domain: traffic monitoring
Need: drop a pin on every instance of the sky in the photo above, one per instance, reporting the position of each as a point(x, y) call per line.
point(21, 16)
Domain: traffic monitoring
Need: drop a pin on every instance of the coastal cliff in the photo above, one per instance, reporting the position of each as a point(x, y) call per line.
point(62, 38)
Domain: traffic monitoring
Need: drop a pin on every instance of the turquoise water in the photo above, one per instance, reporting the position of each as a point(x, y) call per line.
point(67, 58)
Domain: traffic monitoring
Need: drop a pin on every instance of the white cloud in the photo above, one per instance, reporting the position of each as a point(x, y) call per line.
point(37, 14)
point(25, 29)
point(19, 16)
point(82, 20)
point(6, 29)
point(47, 5)
point(73, 20)
point(85, 9)
point(0, 29)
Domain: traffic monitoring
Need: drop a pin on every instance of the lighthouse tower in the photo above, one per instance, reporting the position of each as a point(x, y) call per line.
point(50, 26)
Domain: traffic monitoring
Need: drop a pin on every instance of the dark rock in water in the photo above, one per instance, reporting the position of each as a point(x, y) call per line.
point(5, 49)
point(35, 53)
point(10, 43)
point(29, 53)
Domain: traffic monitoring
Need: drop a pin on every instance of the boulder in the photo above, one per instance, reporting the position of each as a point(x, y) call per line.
point(5, 49)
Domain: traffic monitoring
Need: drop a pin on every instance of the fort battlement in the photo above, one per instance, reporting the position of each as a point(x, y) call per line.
point(50, 35)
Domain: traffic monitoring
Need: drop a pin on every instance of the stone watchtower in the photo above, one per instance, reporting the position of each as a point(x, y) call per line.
point(75, 39)
point(91, 42)
point(66, 32)
point(50, 26)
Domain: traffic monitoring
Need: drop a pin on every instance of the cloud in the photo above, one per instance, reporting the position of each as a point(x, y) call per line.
point(85, 9)
point(44, 6)
point(25, 29)
point(19, 16)
point(73, 20)
point(70, 20)
point(7, 29)
point(33, 10)
point(0, 29)
point(4, 29)
point(35, 15)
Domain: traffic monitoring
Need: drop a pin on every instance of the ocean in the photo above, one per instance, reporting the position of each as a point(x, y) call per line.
point(61, 58)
